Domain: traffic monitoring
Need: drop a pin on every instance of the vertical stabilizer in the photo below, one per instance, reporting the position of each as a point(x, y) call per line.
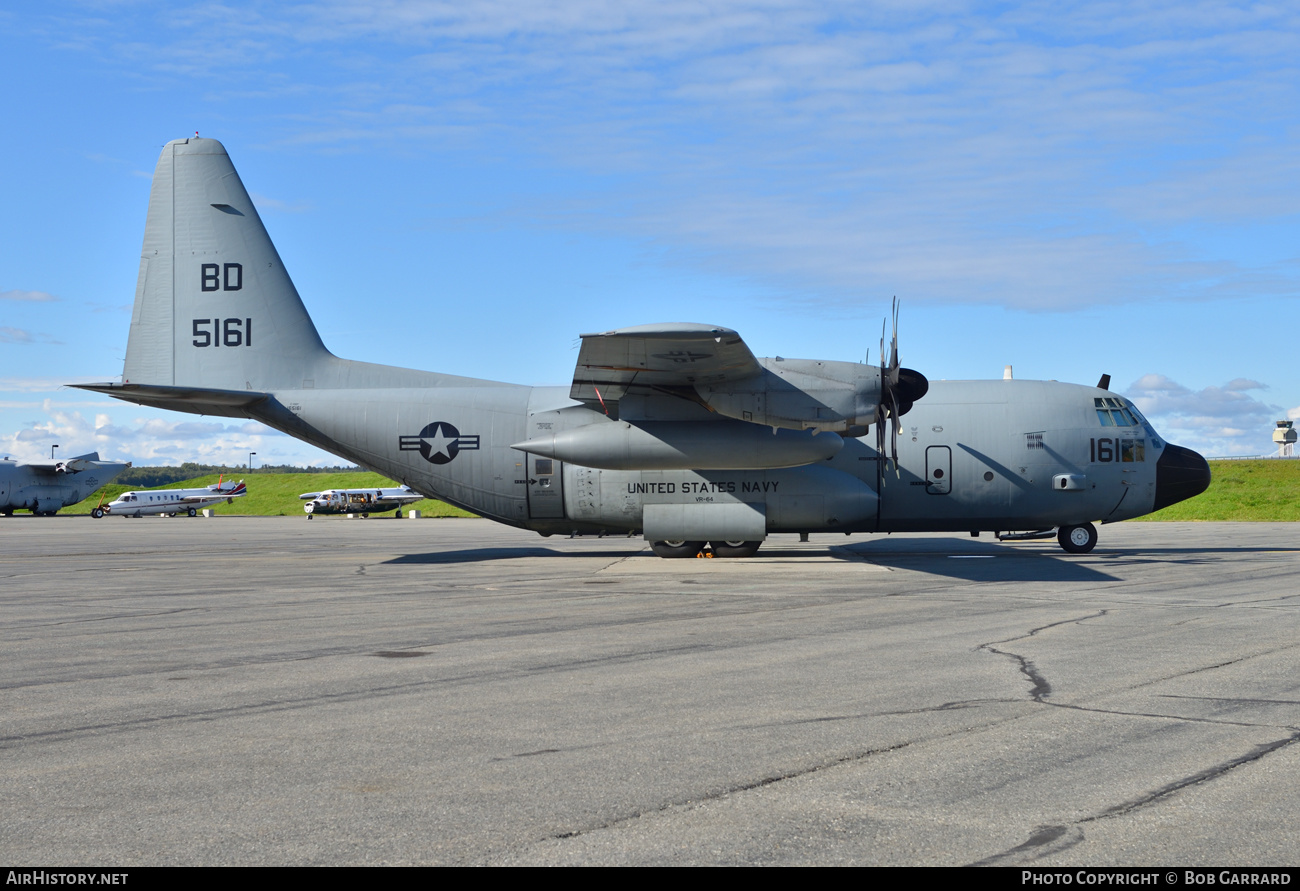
point(214, 306)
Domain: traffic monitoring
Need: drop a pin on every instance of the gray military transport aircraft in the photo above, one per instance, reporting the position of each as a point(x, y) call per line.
point(43, 488)
point(677, 431)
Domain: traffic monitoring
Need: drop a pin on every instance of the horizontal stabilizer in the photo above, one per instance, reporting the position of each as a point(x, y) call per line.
point(227, 403)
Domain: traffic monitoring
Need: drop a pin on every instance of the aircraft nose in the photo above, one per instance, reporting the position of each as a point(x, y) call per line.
point(1180, 474)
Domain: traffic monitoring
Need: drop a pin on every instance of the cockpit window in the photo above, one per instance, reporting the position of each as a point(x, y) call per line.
point(1112, 412)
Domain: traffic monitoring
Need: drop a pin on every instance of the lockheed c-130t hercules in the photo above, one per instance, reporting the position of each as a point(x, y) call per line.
point(676, 431)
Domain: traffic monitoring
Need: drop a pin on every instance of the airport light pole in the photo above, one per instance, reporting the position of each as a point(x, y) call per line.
point(250, 461)
point(52, 448)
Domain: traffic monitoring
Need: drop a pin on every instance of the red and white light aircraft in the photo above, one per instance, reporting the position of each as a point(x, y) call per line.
point(170, 502)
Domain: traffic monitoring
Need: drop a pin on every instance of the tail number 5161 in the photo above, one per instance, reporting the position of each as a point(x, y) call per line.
point(223, 332)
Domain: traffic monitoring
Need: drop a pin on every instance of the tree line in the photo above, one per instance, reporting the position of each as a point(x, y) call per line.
point(147, 477)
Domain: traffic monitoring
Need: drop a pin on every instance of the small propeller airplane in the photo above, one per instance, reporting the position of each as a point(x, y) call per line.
point(676, 432)
point(358, 501)
point(170, 502)
point(43, 488)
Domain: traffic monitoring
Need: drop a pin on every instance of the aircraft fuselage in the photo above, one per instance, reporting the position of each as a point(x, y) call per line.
point(974, 455)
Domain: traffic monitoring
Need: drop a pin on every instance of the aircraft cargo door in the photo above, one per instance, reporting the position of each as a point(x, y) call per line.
point(545, 488)
point(938, 470)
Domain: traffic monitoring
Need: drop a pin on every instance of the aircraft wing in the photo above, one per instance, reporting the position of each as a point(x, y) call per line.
point(658, 357)
point(402, 497)
point(215, 491)
point(68, 465)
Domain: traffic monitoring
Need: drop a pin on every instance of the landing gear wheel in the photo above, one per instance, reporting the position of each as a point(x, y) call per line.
point(1077, 539)
point(192, 512)
point(676, 548)
point(735, 548)
point(97, 513)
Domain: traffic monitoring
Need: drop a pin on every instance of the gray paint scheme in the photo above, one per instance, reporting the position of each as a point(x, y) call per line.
point(43, 488)
point(640, 441)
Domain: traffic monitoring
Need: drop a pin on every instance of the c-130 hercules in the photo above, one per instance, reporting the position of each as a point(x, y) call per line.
point(674, 431)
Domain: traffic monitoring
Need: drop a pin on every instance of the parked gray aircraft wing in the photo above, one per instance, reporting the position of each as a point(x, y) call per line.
point(67, 465)
point(659, 356)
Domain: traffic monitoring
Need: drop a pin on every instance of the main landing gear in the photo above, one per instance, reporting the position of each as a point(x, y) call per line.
point(1077, 539)
point(693, 548)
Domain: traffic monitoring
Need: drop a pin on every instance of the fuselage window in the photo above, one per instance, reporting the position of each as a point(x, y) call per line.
point(1132, 450)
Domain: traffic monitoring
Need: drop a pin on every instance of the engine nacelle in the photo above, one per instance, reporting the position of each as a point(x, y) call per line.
point(801, 394)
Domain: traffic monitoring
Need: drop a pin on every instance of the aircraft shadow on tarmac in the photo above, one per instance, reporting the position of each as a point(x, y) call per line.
point(486, 555)
point(977, 561)
point(972, 561)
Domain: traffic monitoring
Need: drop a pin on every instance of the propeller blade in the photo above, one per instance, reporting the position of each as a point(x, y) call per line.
point(899, 387)
point(893, 429)
point(883, 357)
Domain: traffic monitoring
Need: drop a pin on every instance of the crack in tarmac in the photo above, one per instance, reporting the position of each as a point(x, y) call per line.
point(1045, 836)
point(1071, 834)
point(1040, 687)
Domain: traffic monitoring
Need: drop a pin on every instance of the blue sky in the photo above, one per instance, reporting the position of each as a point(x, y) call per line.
point(1068, 188)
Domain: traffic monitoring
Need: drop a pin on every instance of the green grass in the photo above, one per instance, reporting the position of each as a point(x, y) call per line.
point(1257, 491)
point(276, 494)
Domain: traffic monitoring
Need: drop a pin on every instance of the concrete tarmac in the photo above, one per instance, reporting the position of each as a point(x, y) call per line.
point(278, 691)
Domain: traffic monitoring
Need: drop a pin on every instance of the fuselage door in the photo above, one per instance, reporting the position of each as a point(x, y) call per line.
point(938, 470)
point(545, 488)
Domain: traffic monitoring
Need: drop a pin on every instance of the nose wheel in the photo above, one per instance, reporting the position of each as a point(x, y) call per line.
point(1077, 539)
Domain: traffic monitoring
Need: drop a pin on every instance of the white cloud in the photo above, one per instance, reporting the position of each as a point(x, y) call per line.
point(22, 336)
point(1216, 421)
point(15, 335)
point(146, 440)
point(28, 296)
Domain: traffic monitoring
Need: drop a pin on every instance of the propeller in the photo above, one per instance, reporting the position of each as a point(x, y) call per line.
point(899, 389)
